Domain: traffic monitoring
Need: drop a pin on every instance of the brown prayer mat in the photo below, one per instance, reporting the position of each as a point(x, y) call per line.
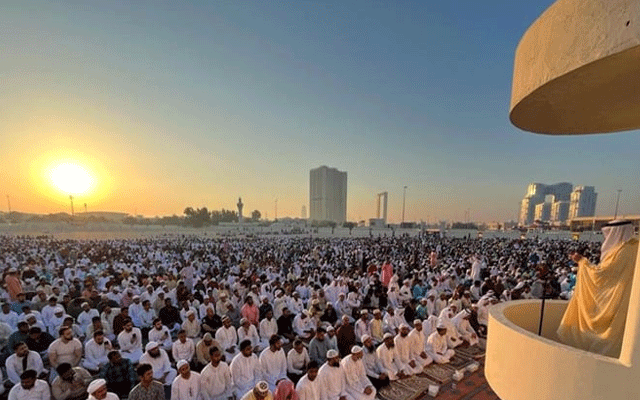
point(438, 373)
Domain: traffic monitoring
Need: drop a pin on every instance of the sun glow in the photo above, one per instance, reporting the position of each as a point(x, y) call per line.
point(71, 178)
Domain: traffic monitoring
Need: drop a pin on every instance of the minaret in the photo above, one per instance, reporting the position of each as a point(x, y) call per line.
point(240, 205)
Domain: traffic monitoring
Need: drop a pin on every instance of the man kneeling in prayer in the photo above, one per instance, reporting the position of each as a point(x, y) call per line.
point(437, 343)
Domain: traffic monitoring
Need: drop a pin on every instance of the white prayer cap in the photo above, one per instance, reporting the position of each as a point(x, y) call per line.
point(441, 325)
point(191, 312)
point(207, 336)
point(151, 345)
point(330, 328)
point(84, 304)
point(432, 293)
point(364, 338)
point(403, 326)
point(387, 336)
point(262, 387)
point(315, 301)
point(95, 385)
point(58, 310)
point(226, 318)
point(364, 312)
point(331, 353)
point(423, 300)
point(278, 292)
point(243, 321)
point(30, 315)
point(263, 298)
point(181, 364)
point(356, 349)
point(417, 321)
point(377, 312)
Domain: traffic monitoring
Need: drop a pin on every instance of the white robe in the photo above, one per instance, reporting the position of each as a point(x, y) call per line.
point(95, 355)
point(162, 337)
point(228, 337)
point(390, 361)
point(417, 343)
point(464, 328)
point(216, 382)
point(132, 351)
point(160, 366)
point(356, 379)
point(437, 348)
point(186, 389)
point(274, 366)
point(246, 372)
point(308, 390)
point(14, 365)
point(403, 345)
point(332, 382)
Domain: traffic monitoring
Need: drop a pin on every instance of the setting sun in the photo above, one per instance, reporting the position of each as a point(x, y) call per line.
point(71, 178)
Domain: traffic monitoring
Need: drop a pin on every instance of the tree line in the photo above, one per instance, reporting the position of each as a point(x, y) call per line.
point(194, 217)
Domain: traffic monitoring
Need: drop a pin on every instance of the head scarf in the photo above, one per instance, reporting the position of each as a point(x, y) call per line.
point(284, 389)
point(615, 233)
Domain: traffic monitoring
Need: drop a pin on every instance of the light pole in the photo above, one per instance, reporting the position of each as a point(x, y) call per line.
point(71, 199)
point(404, 198)
point(617, 202)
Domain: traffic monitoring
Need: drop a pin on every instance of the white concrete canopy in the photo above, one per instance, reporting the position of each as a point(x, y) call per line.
point(577, 69)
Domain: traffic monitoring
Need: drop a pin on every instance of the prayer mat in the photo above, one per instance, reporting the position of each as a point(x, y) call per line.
point(397, 391)
point(471, 352)
point(438, 373)
point(458, 361)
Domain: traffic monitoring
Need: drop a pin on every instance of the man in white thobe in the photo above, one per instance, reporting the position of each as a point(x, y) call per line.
point(249, 332)
point(297, 361)
point(388, 356)
point(268, 328)
point(227, 336)
point(159, 361)
point(372, 365)
point(16, 363)
point(86, 316)
point(403, 345)
point(245, 369)
point(417, 343)
point(332, 380)
point(161, 335)
point(183, 348)
point(186, 386)
point(358, 384)
point(95, 352)
point(130, 342)
point(273, 362)
point(215, 378)
point(437, 345)
point(30, 388)
point(464, 328)
point(308, 387)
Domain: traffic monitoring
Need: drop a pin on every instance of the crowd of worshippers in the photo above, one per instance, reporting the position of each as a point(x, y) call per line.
point(211, 318)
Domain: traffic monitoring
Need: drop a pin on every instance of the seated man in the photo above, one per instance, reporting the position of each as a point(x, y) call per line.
point(372, 364)
point(148, 388)
point(119, 374)
point(159, 361)
point(389, 358)
point(215, 379)
point(183, 348)
point(22, 360)
point(462, 325)
point(186, 386)
point(245, 369)
point(96, 352)
point(130, 341)
point(410, 365)
point(161, 335)
point(71, 383)
point(65, 349)
point(297, 361)
point(273, 362)
point(30, 388)
point(308, 387)
point(358, 384)
point(437, 345)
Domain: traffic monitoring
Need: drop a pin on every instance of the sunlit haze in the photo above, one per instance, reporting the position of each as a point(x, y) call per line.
point(166, 105)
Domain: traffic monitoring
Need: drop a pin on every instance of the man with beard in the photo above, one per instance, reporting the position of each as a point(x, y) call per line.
point(372, 364)
point(358, 384)
point(71, 383)
point(119, 374)
point(308, 387)
point(273, 362)
point(331, 378)
point(170, 316)
point(202, 357)
point(96, 352)
point(245, 369)
point(183, 348)
point(98, 391)
point(130, 341)
point(417, 345)
point(186, 386)
point(23, 360)
point(285, 325)
point(160, 334)
point(215, 378)
point(148, 388)
point(18, 336)
point(403, 346)
point(211, 321)
point(65, 349)
point(437, 345)
point(228, 338)
point(39, 341)
point(297, 361)
point(319, 346)
point(30, 388)
point(159, 361)
point(268, 328)
point(389, 358)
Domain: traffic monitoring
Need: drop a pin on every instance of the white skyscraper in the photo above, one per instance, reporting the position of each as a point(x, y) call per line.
point(583, 202)
point(328, 195)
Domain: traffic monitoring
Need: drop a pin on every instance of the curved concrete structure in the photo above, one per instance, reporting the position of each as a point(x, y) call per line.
point(521, 365)
point(577, 69)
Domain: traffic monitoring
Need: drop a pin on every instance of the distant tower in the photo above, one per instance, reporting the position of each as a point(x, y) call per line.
point(382, 198)
point(303, 213)
point(240, 205)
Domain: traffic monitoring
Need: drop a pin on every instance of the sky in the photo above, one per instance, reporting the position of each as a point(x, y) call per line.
point(194, 103)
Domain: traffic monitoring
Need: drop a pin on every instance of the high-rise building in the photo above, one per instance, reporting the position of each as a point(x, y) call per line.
point(328, 195)
point(583, 202)
point(536, 193)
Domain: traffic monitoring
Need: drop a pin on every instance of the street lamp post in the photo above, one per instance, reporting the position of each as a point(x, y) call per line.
point(617, 203)
point(404, 198)
point(71, 199)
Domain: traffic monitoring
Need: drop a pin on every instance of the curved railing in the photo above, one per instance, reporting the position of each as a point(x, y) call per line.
point(521, 365)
